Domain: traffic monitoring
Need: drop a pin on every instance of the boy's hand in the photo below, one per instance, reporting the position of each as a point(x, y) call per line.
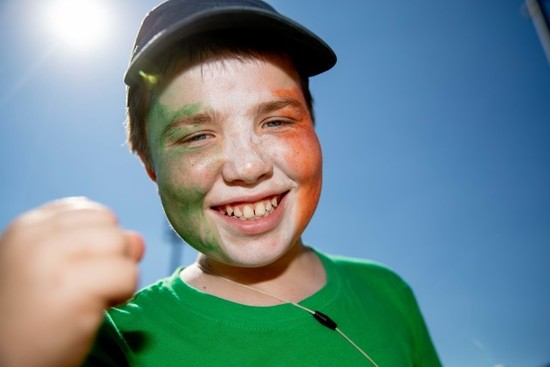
point(61, 265)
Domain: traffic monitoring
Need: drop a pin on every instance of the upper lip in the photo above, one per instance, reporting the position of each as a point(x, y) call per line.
point(251, 198)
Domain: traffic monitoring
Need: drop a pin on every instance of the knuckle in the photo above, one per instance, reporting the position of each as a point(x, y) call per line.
point(74, 205)
point(117, 241)
point(18, 229)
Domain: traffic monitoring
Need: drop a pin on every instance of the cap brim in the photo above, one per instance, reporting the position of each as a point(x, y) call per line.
point(312, 55)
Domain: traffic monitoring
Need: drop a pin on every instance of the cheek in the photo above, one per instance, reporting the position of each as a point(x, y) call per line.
point(183, 183)
point(180, 192)
point(304, 163)
point(304, 158)
point(186, 177)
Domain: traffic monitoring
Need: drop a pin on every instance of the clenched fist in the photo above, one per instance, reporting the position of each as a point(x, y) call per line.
point(61, 266)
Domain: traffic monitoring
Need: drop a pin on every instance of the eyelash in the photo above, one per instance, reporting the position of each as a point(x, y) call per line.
point(195, 138)
point(198, 137)
point(279, 122)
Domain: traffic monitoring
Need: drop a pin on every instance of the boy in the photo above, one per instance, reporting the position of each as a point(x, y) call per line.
point(221, 115)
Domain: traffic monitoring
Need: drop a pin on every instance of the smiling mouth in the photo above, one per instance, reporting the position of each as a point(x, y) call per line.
point(251, 211)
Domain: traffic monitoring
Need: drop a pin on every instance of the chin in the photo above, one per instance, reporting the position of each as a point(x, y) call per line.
point(255, 254)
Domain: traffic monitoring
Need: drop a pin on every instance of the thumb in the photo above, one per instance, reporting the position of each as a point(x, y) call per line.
point(135, 245)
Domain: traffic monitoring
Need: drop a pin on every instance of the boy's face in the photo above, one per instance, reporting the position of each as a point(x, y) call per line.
point(236, 159)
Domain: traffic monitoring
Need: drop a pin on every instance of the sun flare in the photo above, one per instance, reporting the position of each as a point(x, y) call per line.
point(79, 24)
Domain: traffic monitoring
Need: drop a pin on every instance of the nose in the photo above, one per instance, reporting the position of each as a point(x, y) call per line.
point(246, 163)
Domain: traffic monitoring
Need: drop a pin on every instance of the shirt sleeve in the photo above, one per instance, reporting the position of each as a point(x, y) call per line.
point(109, 348)
point(425, 354)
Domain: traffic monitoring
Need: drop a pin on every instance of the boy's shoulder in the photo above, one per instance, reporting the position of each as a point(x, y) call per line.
point(362, 265)
point(152, 296)
point(366, 272)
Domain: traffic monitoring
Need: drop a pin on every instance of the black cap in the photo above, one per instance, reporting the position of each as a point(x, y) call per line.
point(174, 21)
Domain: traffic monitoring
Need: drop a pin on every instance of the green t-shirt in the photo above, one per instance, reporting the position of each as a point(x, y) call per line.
point(173, 324)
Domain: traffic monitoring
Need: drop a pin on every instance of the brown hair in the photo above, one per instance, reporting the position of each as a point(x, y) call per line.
point(141, 94)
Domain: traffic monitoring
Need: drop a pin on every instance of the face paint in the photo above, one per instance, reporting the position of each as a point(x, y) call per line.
point(227, 138)
point(304, 159)
point(181, 198)
point(165, 123)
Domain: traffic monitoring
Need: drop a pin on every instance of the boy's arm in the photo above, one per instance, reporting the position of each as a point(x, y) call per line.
point(61, 266)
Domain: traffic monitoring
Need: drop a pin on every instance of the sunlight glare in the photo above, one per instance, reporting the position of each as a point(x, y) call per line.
point(80, 24)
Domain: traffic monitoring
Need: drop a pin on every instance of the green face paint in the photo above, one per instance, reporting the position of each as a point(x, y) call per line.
point(225, 142)
point(161, 120)
point(182, 199)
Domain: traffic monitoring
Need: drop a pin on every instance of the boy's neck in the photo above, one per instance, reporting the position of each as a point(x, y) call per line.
point(296, 276)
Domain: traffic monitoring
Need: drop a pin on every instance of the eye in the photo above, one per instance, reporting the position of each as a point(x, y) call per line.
point(198, 137)
point(276, 123)
point(195, 139)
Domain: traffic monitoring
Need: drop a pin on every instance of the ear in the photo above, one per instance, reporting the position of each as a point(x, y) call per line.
point(150, 172)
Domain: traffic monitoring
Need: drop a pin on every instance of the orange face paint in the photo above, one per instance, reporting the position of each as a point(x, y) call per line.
point(240, 175)
point(305, 157)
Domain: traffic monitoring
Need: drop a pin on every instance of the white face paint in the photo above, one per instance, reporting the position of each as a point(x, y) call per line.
point(236, 159)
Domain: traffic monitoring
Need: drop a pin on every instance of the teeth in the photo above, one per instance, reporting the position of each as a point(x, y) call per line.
point(248, 212)
point(251, 211)
point(259, 209)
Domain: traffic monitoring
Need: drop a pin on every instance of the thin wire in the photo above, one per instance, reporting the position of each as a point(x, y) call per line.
point(284, 300)
point(267, 294)
point(357, 347)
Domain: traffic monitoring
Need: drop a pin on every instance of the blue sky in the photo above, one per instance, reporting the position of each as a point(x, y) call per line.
point(435, 126)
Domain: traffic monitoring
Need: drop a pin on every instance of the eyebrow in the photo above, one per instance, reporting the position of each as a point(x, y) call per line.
point(272, 106)
point(184, 118)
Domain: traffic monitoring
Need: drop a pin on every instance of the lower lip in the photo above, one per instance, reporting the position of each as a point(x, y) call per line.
point(255, 226)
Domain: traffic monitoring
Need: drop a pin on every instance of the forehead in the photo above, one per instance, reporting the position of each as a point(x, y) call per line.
point(230, 78)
